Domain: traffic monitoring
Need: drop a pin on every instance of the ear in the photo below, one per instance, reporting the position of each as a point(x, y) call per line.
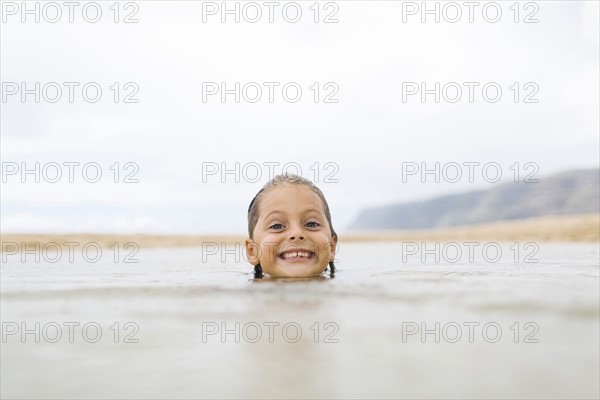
point(252, 251)
point(332, 248)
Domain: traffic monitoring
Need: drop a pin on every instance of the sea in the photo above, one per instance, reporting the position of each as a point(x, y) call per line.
point(397, 320)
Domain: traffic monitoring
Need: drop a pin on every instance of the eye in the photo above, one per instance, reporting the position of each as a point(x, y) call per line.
point(276, 226)
point(313, 224)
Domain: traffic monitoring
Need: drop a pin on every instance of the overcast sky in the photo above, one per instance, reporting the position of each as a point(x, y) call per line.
point(368, 126)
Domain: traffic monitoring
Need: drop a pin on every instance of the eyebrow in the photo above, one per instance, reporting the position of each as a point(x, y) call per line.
point(273, 212)
point(305, 212)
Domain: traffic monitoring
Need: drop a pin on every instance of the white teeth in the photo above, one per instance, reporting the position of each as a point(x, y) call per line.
point(296, 254)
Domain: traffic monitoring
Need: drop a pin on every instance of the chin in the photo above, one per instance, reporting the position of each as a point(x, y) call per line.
point(294, 271)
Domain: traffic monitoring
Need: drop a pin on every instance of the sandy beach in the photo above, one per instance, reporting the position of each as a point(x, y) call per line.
point(570, 228)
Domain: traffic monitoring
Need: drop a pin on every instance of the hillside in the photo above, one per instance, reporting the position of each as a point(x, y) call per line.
point(568, 193)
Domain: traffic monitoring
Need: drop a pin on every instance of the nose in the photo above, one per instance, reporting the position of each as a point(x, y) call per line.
point(296, 234)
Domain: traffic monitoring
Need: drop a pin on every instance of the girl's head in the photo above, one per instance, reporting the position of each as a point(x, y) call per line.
point(289, 228)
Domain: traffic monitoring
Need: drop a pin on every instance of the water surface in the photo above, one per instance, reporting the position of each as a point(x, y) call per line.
point(387, 326)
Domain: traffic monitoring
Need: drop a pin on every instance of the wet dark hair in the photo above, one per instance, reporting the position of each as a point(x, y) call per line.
point(273, 183)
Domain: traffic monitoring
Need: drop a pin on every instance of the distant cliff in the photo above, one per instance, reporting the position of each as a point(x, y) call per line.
point(574, 192)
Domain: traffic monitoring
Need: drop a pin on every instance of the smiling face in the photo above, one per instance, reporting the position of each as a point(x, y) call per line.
point(292, 236)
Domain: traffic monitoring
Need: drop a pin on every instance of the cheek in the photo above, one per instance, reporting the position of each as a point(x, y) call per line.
point(323, 246)
point(322, 238)
point(268, 247)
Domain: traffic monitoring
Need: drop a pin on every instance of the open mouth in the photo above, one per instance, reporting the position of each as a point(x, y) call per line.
point(297, 255)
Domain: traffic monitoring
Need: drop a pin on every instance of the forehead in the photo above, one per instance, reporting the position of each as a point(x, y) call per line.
point(289, 197)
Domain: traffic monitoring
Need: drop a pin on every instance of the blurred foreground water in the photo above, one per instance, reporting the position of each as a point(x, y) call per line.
point(387, 326)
